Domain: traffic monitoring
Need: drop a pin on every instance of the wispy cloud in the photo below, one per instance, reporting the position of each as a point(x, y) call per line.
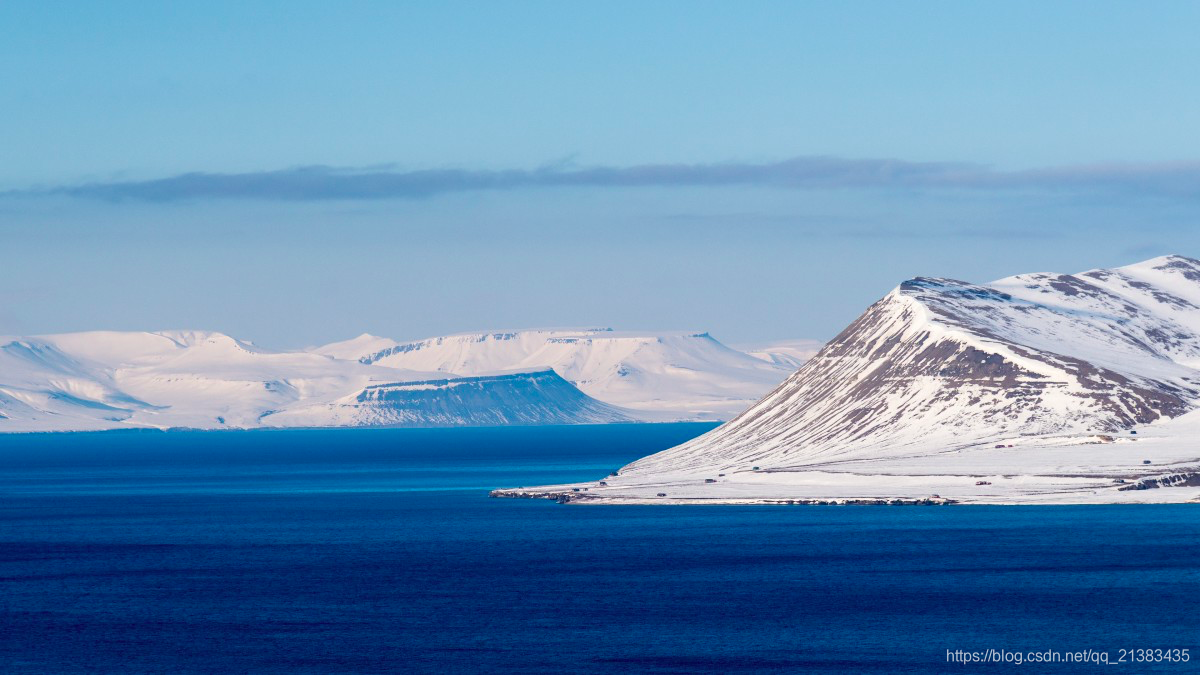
point(1178, 180)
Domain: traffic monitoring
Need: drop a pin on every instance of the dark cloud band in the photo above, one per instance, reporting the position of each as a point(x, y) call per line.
point(1181, 180)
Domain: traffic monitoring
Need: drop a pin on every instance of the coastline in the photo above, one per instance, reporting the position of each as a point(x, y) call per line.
point(816, 488)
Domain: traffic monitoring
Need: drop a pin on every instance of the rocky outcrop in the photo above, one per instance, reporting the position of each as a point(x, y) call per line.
point(1188, 479)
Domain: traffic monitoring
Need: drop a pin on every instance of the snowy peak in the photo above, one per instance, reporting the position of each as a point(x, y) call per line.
point(939, 363)
point(356, 349)
point(785, 354)
point(1109, 318)
point(1188, 268)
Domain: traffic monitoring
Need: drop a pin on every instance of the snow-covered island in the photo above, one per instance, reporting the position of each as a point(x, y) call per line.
point(206, 380)
point(1038, 389)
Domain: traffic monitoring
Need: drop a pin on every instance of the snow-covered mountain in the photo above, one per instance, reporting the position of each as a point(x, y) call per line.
point(790, 354)
point(355, 348)
point(526, 398)
point(104, 380)
point(685, 375)
point(101, 380)
point(1040, 378)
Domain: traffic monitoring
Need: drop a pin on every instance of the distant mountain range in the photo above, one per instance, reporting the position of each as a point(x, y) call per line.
point(206, 380)
point(1038, 387)
point(685, 375)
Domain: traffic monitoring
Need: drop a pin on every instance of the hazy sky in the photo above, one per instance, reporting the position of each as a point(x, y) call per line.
point(294, 173)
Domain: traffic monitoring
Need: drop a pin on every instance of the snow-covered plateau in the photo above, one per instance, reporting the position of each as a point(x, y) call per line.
point(1038, 388)
point(681, 375)
point(205, 380)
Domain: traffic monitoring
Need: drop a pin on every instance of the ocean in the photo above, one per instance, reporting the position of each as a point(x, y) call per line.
point(375, 551)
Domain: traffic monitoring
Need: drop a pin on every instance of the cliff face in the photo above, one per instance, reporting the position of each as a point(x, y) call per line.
point(689, 375)
point(529, 398)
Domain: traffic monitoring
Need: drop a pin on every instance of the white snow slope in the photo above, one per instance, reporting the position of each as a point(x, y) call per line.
point(685, 375)
point(107, 380)
point(1028, 389)
point(789, 354)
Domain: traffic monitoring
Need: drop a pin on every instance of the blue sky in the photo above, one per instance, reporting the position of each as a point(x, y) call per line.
point(294, 173)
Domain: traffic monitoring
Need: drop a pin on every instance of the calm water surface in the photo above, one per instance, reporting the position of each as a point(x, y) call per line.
point(378, 551)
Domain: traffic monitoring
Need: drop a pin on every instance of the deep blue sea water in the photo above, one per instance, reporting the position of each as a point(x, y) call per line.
point(378, 551)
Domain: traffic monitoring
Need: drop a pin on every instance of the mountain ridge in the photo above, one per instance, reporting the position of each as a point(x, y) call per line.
point(205, 379)
point(960, 371)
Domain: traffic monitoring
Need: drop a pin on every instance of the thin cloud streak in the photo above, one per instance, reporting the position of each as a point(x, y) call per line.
point(318, 183)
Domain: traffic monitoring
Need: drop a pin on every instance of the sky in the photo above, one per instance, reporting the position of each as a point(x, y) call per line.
point(295, 173)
